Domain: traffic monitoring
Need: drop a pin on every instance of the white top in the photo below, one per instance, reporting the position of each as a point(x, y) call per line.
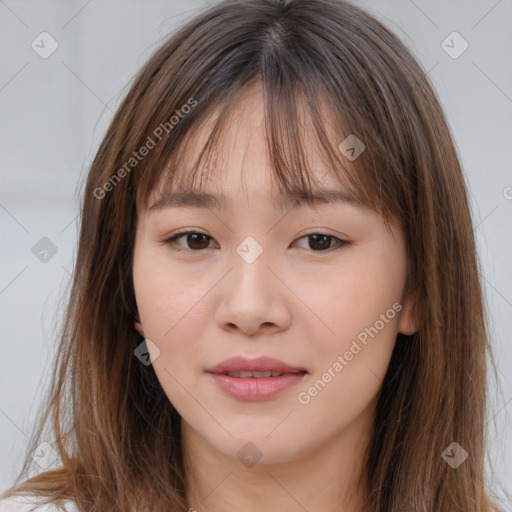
point(27, 504)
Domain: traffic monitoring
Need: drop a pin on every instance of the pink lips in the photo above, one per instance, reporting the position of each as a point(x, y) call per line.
point(258, 387)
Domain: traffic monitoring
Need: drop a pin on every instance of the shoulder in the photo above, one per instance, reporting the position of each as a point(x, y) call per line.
point(33, 504)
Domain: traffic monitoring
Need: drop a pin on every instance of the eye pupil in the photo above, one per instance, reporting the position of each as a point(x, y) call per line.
point(322, 237)
point(195, 235)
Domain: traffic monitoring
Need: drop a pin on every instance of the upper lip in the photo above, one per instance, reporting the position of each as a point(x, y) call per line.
point(261, 364)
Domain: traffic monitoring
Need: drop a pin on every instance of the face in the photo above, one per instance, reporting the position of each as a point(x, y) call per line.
point(311, 295)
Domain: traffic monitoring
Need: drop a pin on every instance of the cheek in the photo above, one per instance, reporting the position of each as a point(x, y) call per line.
point(360, 305)
point(173, 317)
point(168, 300)
point(350, 362)
point(355, 296)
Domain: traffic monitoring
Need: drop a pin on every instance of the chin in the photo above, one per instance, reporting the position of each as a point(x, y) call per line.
point(256, 448)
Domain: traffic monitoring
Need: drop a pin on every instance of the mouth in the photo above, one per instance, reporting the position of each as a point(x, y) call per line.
point(243, 367)
point(245, 374)
point(257, 379)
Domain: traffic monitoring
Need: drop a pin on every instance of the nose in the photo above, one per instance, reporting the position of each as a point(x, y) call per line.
point(253, 299)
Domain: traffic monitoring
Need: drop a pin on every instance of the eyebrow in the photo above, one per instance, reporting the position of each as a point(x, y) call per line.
point(195, 199)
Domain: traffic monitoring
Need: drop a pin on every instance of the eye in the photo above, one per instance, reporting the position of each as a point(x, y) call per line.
point(320, 242)
point(197, 241)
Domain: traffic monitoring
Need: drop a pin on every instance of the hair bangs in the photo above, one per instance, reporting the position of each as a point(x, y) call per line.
point(305, 132)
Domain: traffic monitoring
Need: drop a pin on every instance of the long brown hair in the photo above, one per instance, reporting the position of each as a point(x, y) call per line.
point(117, 434)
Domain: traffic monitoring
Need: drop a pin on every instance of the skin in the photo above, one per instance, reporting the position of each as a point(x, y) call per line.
point(294, 303)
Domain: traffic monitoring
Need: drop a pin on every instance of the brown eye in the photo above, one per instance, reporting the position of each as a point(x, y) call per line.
point(197, 240)
point(194, 241)
point(319, 242)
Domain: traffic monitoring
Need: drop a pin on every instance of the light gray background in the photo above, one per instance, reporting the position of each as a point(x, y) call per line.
point(54, 112)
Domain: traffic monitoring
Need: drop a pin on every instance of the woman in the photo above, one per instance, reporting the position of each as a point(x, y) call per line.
point(301, 328)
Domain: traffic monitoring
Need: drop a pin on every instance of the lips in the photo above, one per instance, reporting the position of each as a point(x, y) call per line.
point(255, 368)
point(243, 374)
point(257, 379)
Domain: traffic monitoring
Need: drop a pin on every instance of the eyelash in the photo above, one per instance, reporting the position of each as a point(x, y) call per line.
point(172, 241)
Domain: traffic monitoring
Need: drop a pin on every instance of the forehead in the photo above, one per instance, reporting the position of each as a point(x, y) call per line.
point(215, 165)
point(238, 161)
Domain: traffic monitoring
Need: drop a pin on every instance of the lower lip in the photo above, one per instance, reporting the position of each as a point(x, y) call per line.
point(256, 389)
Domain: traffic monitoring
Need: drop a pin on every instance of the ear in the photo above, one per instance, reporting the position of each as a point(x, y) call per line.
point(138, 328)
point(408, 317)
